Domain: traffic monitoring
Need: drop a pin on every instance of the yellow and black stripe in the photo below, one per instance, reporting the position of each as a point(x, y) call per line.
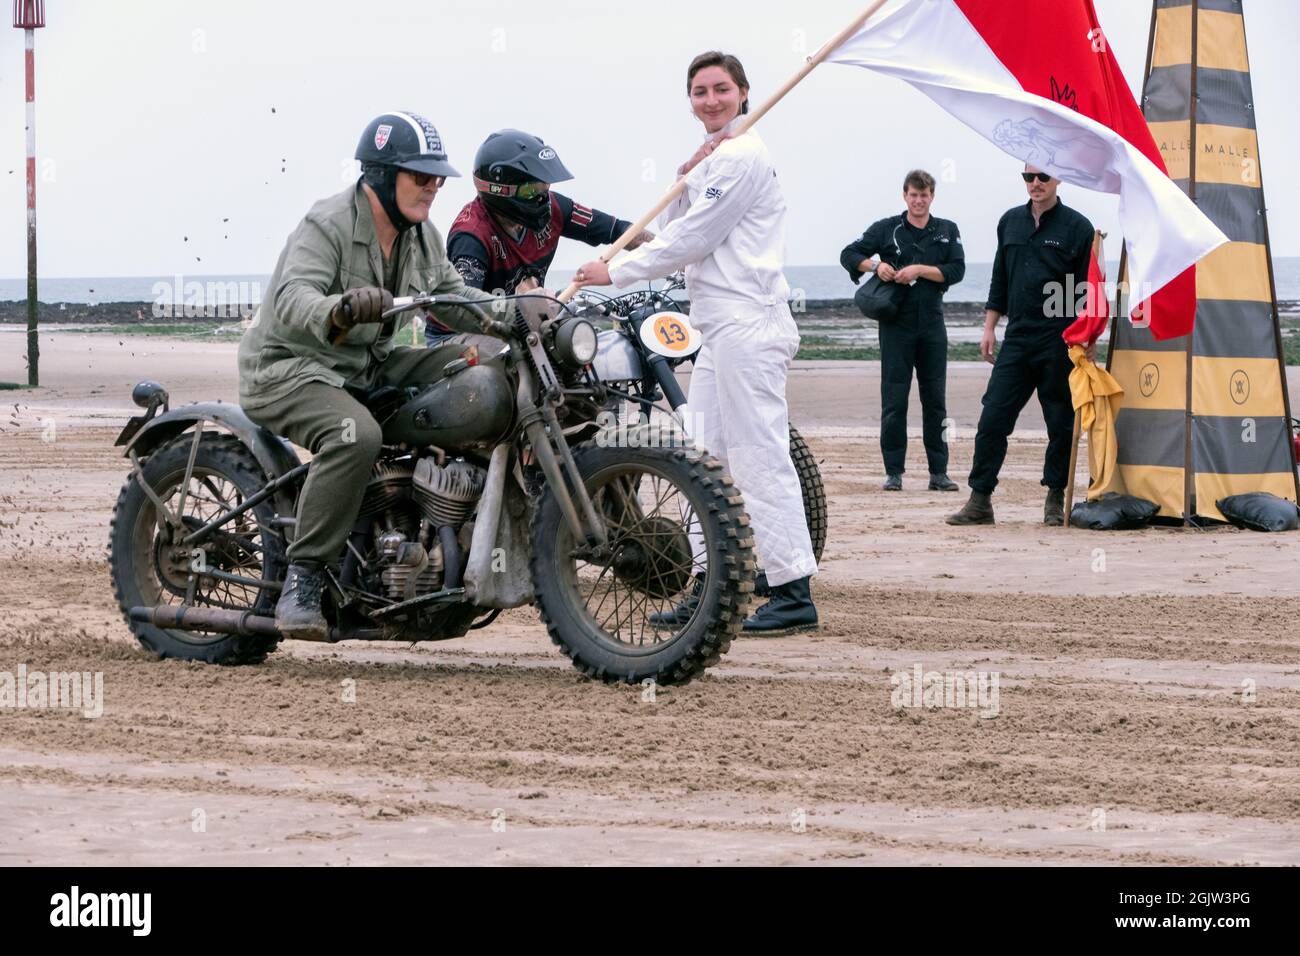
point(1206, 415)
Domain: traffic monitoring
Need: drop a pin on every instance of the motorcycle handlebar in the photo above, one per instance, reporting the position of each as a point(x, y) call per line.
point(487, 324)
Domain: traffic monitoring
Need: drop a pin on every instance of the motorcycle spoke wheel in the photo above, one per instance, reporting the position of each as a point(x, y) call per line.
point(675, 529)
point(655, 540)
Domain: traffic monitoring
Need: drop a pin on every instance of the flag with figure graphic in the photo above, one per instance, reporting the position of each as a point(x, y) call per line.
point(1047, 90)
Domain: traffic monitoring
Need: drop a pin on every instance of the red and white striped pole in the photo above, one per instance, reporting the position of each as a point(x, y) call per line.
point(28, 16)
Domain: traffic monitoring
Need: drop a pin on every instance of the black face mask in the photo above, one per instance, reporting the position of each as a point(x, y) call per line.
point(531, 213)
point(383, 180)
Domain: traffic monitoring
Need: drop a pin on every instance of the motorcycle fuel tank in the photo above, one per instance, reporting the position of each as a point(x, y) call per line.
point(474, 405)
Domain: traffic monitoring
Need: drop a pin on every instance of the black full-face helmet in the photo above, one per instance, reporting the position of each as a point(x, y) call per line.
point(394, 141)
point(513, 171)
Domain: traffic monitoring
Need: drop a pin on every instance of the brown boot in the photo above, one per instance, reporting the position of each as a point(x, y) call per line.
point(1054, 507)
point(977, 510)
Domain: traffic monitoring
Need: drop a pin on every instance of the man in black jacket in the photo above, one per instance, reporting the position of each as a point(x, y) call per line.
point(1040, 272)
point(924, 253)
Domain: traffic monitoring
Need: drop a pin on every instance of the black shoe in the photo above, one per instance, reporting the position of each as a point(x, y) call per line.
point(942, 483)
point(297, 613)
point(892, 483)
point(761, 587)
point(790, 609)
point(977, 510)
point(1054, 507)
point(680, 614)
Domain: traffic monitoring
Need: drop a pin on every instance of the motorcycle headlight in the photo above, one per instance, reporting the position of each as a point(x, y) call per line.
point(575, 342)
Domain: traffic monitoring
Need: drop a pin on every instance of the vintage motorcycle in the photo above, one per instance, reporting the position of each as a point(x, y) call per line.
point(500, 484)
point(636, 361)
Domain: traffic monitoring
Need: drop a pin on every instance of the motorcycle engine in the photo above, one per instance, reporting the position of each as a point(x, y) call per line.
point(447, 494)
point(408, 504)
point(414, 570)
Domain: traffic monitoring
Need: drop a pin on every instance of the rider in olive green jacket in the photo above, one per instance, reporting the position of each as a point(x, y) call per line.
point(320, 327)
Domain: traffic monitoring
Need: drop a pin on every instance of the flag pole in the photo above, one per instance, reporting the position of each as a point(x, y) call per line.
point(1074, 463)
point(747, 121)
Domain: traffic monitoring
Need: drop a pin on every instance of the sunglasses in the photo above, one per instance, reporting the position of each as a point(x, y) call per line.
point(423, 179)
point(1041, 177)
point(524, 191)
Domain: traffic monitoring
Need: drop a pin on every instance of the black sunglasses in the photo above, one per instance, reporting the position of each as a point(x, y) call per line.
point(423, 179)
point(1041, 177)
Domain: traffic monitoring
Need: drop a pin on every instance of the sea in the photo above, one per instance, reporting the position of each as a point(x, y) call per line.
point(816, 282)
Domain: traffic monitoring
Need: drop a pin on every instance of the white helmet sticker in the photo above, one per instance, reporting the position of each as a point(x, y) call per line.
point(546, 153)
point(381, 136)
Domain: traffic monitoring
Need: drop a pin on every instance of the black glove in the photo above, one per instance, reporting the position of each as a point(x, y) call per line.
point(356, 306)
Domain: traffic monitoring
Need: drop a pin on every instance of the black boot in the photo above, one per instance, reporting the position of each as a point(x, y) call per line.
point(679, 615)
point(977, 510)
point(1054, 507)
point(892, 483)
point(790, 609)
point(297, 613)
point(942, 483)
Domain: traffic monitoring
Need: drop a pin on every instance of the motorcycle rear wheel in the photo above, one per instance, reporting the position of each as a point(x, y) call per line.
point(146, 572)
point(812, 489)
point(668, 512)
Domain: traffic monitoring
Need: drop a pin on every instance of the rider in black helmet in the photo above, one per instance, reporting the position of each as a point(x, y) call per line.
point(509, 233)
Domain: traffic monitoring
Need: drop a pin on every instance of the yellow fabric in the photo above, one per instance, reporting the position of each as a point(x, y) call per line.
point(1097, 398)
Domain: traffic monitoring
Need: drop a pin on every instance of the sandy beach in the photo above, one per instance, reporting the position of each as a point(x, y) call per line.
point(1149, 685)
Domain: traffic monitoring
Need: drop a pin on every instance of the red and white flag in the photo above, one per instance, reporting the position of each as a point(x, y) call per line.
point(1039, 81)
point(1093, 318)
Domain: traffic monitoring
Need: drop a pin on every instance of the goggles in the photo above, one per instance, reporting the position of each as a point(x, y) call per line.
point(524, 191)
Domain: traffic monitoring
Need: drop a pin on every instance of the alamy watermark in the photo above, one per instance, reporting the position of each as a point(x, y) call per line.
point(953, 689)
point(64, 690)
point(133, 911)
point(178, 298)
point(622, 431)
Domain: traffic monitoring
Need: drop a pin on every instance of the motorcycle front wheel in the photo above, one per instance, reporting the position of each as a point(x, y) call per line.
point(677, 530)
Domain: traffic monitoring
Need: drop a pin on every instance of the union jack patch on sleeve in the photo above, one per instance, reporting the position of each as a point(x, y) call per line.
point(713, 192)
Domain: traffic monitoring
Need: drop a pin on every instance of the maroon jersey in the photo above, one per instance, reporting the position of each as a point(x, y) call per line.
point(488, 257)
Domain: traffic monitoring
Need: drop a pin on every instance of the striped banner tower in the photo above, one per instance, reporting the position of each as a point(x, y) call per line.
point(1206, 415)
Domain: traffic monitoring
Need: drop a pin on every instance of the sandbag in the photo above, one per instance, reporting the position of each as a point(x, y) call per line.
point(1260, 511)
point(1113, 512)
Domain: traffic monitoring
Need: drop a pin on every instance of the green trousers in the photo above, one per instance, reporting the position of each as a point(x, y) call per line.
point(344, 440)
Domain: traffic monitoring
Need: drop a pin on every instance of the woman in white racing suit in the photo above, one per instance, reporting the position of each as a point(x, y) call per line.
point(727, 230)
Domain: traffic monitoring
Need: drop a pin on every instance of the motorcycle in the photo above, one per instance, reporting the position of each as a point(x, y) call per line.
point(497, 486)
point(636, 360)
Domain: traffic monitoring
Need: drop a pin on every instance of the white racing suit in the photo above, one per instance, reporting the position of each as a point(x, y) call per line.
point(728, 232)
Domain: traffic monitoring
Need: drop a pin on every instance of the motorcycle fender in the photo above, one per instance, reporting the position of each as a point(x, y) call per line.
point(497, 573)
point(273, 453)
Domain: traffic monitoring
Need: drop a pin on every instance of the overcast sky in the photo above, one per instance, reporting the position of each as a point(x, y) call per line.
point(161, 119)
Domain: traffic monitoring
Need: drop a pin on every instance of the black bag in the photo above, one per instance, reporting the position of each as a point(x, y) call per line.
point(879, 300)
point(1113, 512)
point(1260, 511)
